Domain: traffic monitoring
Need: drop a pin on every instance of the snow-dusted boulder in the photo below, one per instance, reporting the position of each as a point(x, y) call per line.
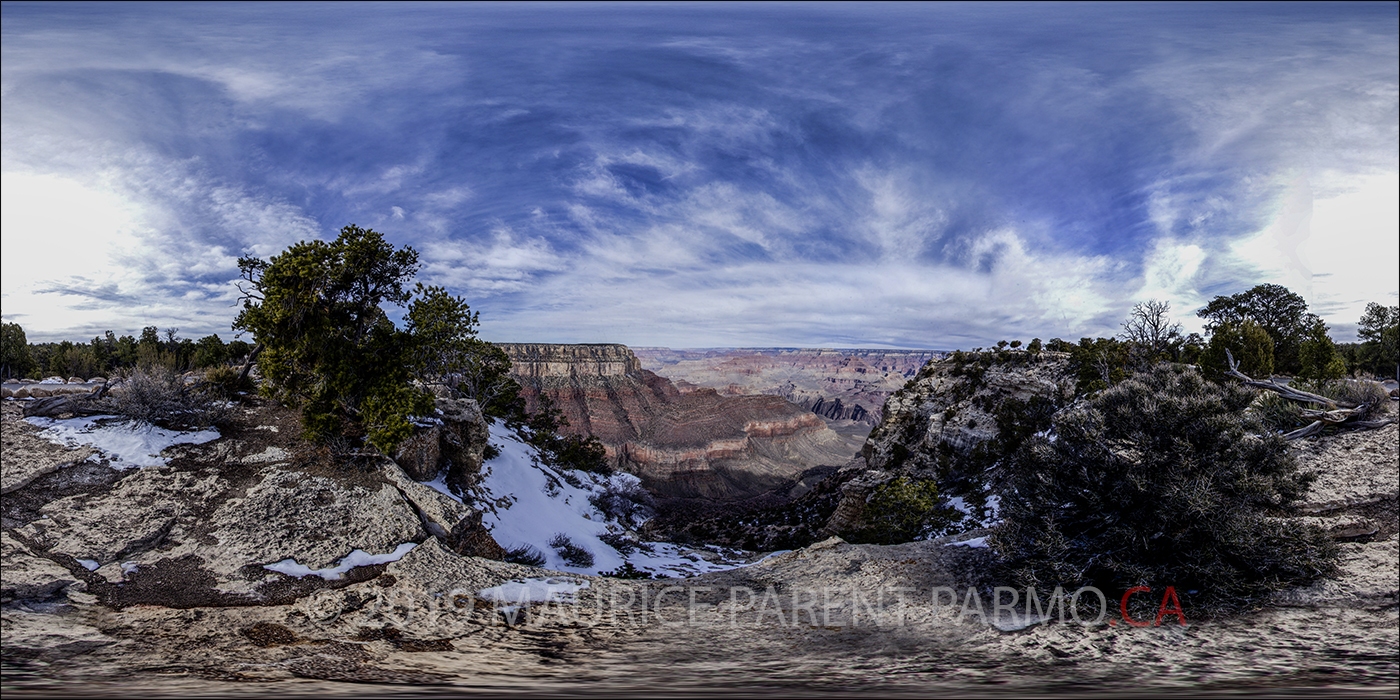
point(449, 445)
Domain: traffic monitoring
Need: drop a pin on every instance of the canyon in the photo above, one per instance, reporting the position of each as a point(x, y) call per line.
point(682, 440)
point(847, 387)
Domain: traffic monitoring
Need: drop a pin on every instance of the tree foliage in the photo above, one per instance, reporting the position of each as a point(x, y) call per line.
point(14, 351)
point(1281, 313)
point(328, 345)
point(1247, 341)
point(1161, 480)
point(1098, 363)
point(1379, 332)
point(1318, 357)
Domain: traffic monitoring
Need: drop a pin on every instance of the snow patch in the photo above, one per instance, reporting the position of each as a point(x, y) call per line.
point(356, 558)
point(525, 504)
point(89, 564)
point(126, 443)
point(974, 542)
point(534, 590)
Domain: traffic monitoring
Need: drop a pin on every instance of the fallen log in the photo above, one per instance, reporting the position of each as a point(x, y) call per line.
point(1308, 430)
point(1343, 414)
point(1283, 390)
point(55, 406)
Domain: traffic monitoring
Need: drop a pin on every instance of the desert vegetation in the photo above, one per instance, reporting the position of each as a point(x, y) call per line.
point(1163, 479)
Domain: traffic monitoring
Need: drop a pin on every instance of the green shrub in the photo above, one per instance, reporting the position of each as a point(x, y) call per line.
point(1161, 480)
point(1279, 413)
point(902, 510)
point(224, 382)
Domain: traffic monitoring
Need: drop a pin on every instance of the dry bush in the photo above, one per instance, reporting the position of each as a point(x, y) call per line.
point(158, 395)
point(573, 554)
point(1358, 391)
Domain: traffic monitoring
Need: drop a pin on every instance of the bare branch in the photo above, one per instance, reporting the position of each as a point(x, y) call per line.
point(1283, 390)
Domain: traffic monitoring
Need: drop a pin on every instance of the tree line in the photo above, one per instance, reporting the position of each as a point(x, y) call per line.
point(109, 354)
point(1268, 328)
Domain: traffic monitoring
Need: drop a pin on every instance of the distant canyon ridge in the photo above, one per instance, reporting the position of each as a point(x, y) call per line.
point(839, 385)
point(682, 439)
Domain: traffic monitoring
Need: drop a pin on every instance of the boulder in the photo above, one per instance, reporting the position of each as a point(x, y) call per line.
point(452, 448)
point(457, 525)
point(76, 380)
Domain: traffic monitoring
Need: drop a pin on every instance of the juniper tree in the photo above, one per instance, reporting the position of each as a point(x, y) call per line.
point(327, 345)
point(1161, 480)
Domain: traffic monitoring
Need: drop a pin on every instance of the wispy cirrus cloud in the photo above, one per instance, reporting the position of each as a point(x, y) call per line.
point(927, 176)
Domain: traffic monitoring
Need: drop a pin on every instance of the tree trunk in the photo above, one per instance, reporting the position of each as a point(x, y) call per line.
point(248, 363)
point(1341, 413)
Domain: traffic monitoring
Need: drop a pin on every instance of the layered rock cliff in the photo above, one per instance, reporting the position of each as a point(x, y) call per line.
point(939, 426)
point(696, 443)
point(835, 384)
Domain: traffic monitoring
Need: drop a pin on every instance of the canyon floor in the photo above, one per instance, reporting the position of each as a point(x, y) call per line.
point(832, 619)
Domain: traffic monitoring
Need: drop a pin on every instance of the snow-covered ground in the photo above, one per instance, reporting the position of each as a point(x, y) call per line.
point(534, 590)
point(528, 504)
point(126, 443)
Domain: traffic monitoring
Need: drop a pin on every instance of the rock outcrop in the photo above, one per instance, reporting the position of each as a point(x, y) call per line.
point(450, 447)
point(940, 417)
point(929, 429)
point(838, 385)
point(204, 528)
point(52, 386)
point(699, 443)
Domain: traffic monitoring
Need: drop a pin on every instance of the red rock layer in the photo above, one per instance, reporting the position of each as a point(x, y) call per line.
point(692, 443)
point(836, 384)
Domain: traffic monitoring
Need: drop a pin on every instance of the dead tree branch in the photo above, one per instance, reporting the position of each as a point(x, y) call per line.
point(1339, 413)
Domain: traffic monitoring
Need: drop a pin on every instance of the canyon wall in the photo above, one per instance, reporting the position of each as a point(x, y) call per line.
point(835, 384)
point(692, 443)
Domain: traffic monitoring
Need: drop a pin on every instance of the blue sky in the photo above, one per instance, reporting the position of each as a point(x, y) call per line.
point(925, 176)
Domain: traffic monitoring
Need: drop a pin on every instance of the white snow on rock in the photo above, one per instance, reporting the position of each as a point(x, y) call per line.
point(974, 542)
point(527, 504)
point(127, 443)
point(356, 558)
point(89, 564)
point(534, 590)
